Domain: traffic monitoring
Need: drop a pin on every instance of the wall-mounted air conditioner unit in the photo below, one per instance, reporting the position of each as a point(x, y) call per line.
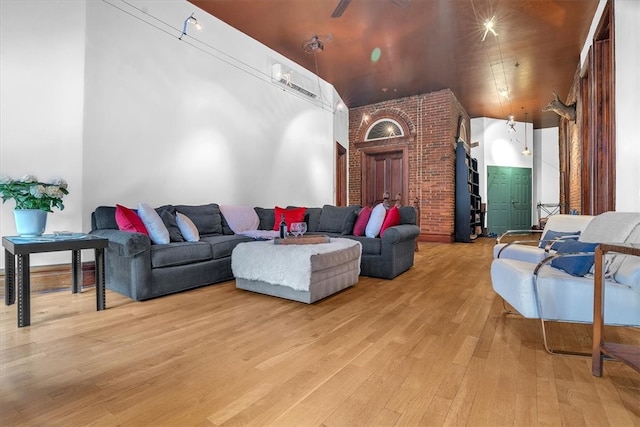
point(293, 80)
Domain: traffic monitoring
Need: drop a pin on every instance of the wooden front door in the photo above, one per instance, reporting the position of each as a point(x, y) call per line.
point(383, 172)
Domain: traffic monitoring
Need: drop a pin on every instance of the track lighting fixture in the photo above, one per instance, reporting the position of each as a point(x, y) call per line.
point(190, 20)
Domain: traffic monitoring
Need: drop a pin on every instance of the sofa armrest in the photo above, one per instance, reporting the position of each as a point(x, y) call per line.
point(400, 233)
point(124, 243)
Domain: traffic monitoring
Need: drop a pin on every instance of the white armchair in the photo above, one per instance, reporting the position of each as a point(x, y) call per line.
point(540, 290)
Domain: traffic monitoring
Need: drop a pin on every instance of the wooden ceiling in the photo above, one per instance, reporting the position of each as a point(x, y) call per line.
point(428, 45)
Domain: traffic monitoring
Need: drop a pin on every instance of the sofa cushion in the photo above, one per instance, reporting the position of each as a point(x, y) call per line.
point(375, 221)
point(157, 231)
point(312, 218)
point(332, 218)
point(391, 219)
point(128, 220)
point(290, 216)
point(207, 218)
point(222, 245)
point(179, 253)
point(104, 218)
point(574, 265)
point(168, 216)
point(407, 215)
point(362, 221)
point(187, 228)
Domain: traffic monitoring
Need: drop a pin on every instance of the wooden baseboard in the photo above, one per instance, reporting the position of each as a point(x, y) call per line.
point(55, 277)
point(434, 237)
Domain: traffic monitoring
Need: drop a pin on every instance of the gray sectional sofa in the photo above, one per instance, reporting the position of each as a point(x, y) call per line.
point(141, 270)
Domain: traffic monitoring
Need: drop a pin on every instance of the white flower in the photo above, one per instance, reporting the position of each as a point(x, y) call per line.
point(5, 179)
point(56, 180)
point(54, 191)
point(37, 191)
point(29, 178)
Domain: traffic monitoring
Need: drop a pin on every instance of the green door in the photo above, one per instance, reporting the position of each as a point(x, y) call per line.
point(508, 199)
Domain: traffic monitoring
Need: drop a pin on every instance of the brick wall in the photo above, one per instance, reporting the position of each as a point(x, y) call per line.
point(431, 122)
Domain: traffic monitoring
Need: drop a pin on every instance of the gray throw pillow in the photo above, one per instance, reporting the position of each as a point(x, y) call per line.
point(332, 218)
point(168, 216)
point(349, 222)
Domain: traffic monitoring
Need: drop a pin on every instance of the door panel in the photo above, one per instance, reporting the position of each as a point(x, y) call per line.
point(385, 172)
point(509, 199)
point(498, 200)
point(395, 175)
point(521, 198)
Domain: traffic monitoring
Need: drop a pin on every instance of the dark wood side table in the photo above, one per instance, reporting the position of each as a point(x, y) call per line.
point(629, 354)
point(17, 251)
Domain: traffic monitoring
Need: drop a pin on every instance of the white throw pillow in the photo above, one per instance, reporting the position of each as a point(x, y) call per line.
point(157, 230)
point(187, 228)
point(375, 221)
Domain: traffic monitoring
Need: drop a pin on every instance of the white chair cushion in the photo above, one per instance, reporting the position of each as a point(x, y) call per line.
point(563, 297)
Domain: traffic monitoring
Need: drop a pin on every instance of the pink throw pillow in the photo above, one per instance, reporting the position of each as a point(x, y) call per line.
point(361, 221)
point(392, 218)
point(128, 220)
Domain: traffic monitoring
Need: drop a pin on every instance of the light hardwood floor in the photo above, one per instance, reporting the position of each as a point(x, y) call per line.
point(431, 347)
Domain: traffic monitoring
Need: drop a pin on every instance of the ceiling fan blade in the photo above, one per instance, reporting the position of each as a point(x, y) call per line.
point(340, 8)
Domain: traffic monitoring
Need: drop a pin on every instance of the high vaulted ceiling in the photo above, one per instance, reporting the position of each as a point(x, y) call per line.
point(386, 49)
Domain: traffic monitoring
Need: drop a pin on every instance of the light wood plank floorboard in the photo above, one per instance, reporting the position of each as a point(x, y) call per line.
point(432, 347)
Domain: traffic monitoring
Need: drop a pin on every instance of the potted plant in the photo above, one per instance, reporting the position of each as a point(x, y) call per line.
point(33, 200)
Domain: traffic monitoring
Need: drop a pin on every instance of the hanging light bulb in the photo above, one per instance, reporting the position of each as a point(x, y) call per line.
point(526, 151)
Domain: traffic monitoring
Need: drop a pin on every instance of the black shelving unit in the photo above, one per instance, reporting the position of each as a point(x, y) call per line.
point(468, 203)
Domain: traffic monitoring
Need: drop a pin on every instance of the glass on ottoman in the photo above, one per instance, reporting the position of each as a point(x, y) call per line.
point(298, 228)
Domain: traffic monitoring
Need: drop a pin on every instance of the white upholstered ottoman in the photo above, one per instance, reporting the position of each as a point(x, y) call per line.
point(305, 273)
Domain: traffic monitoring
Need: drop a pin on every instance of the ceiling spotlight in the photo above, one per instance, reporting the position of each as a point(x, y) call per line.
point(190, 20)
point(489, 27)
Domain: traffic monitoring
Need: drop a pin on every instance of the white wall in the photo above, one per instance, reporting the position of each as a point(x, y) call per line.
point(546, 168)
point(627, 52)
point(41, 101)
point(498, 147)
point(113, 102)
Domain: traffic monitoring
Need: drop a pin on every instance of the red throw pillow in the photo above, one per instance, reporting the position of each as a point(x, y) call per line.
point(361, 221)
point(128, 220)
point(290, 216)
point(392, 218)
